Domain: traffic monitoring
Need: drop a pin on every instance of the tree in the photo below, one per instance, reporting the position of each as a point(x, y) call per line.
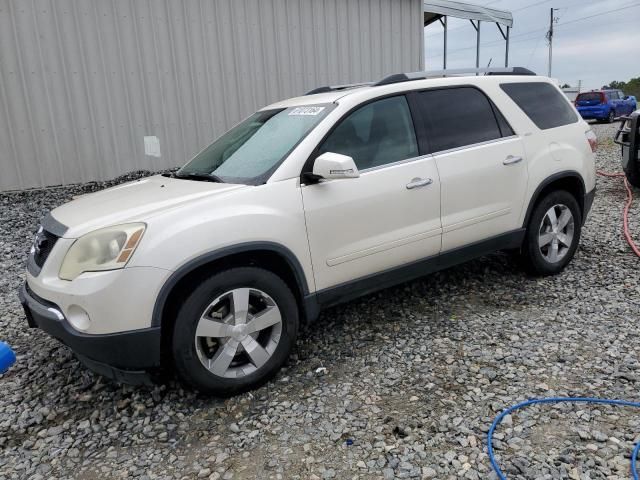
point(566, 85)
point(632, 87)
point(616, 85)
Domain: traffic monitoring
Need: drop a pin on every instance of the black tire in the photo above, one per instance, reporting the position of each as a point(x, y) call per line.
point(633, 176)
point(534, 260)
point(188, 365)
point(611, 117)
point(633, 173)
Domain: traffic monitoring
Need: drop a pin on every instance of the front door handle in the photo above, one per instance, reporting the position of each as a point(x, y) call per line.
point(510, 160)
point(419, 182)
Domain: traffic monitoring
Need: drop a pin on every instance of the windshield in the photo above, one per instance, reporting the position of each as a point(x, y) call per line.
point(253, 149)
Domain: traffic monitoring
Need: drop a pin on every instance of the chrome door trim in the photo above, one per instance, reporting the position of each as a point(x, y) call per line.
point(393, 164)
point(473, 145)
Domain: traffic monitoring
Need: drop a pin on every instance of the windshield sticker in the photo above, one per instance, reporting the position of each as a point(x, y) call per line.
point(306, 111)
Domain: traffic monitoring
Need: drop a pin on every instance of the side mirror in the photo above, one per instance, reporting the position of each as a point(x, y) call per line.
point(626, 97)
point(331, 166)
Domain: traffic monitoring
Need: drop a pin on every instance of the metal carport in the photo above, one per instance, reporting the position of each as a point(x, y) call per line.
point(439, 10)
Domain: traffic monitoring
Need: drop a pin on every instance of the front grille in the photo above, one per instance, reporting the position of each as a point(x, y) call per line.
point(43, 244)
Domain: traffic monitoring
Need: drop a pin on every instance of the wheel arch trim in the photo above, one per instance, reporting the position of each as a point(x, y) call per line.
point(190, 266)
point(548, 181)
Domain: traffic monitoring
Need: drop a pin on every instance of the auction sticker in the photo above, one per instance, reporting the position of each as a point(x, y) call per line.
point(306, 111)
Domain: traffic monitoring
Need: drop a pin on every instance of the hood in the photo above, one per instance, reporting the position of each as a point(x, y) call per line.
point(133, 202)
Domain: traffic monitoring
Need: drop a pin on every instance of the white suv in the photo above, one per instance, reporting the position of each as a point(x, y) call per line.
point(310, 202)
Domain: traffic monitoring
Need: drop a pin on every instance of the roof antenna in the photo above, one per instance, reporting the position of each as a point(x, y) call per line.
point(489, 64)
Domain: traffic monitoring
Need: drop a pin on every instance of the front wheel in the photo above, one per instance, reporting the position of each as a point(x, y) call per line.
point(553, 233)
point(234, 331)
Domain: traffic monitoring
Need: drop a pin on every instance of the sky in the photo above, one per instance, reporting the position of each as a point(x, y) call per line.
point(595, 50)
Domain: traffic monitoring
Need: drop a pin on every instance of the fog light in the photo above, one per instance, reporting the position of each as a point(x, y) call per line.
point(78, 317)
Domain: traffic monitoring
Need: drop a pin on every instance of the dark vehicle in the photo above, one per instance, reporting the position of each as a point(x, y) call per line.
point(628, 136)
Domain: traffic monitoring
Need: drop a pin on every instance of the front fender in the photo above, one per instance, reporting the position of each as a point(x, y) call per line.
point(185, 269)
point(270, 214)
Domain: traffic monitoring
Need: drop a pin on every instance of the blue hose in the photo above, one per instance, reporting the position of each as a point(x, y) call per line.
point(533, 401)
point(7, 357)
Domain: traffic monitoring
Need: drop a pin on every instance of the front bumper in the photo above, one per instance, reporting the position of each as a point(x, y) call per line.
point(127, 356)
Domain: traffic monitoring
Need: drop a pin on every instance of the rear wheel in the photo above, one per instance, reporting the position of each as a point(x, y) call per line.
point(611, 117)
point(553, 233)
point(630, 154)
point(633, 173)
point(234, 331)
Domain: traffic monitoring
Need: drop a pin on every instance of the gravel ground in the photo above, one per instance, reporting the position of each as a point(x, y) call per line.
point(399, 384)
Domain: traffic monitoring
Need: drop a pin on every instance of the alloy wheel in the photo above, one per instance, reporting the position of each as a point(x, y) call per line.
point(238, 332)
point(555, 236)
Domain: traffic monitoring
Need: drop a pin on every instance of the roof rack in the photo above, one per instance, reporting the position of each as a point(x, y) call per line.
point(336, 88)
point(405, 77)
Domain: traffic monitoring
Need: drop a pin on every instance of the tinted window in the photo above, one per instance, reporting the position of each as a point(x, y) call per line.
point(381, 132)
point(544, 104)
point(505, 128)
point(589, 96)
point(456, 117)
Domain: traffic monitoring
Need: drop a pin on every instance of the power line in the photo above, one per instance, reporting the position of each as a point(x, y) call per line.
point(533, 51)
point(529, 6)
point(579, 4)
point(513, 11)
point(575, 4)
point(545, 29)
point(534, 37)
point(632, 5)
point(495, 42)
point(531, 31)
point(488, 44)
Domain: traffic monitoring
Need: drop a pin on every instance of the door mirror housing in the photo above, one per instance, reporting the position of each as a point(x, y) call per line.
point(331, 166)
point(626, 97)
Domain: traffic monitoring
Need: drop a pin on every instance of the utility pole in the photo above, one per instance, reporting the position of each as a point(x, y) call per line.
point(550, 39)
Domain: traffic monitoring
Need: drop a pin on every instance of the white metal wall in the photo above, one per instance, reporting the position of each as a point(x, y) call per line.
point(83, 81)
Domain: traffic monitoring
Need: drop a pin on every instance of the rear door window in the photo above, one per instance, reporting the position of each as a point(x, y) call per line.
point(457, 117)
point(544, 104)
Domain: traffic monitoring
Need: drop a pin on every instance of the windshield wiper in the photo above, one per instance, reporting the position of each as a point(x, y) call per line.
point(204, 177)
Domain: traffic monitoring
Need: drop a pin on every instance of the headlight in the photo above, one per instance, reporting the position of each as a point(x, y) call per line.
point(105, 249)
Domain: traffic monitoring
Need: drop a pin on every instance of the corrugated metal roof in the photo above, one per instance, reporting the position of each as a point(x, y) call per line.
point(435, 9)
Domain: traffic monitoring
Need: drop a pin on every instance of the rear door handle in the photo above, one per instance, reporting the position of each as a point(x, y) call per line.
point(419, 182)
point(510, 160)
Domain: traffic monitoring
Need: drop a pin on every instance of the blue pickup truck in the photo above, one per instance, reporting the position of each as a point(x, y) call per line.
point(604, 105)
